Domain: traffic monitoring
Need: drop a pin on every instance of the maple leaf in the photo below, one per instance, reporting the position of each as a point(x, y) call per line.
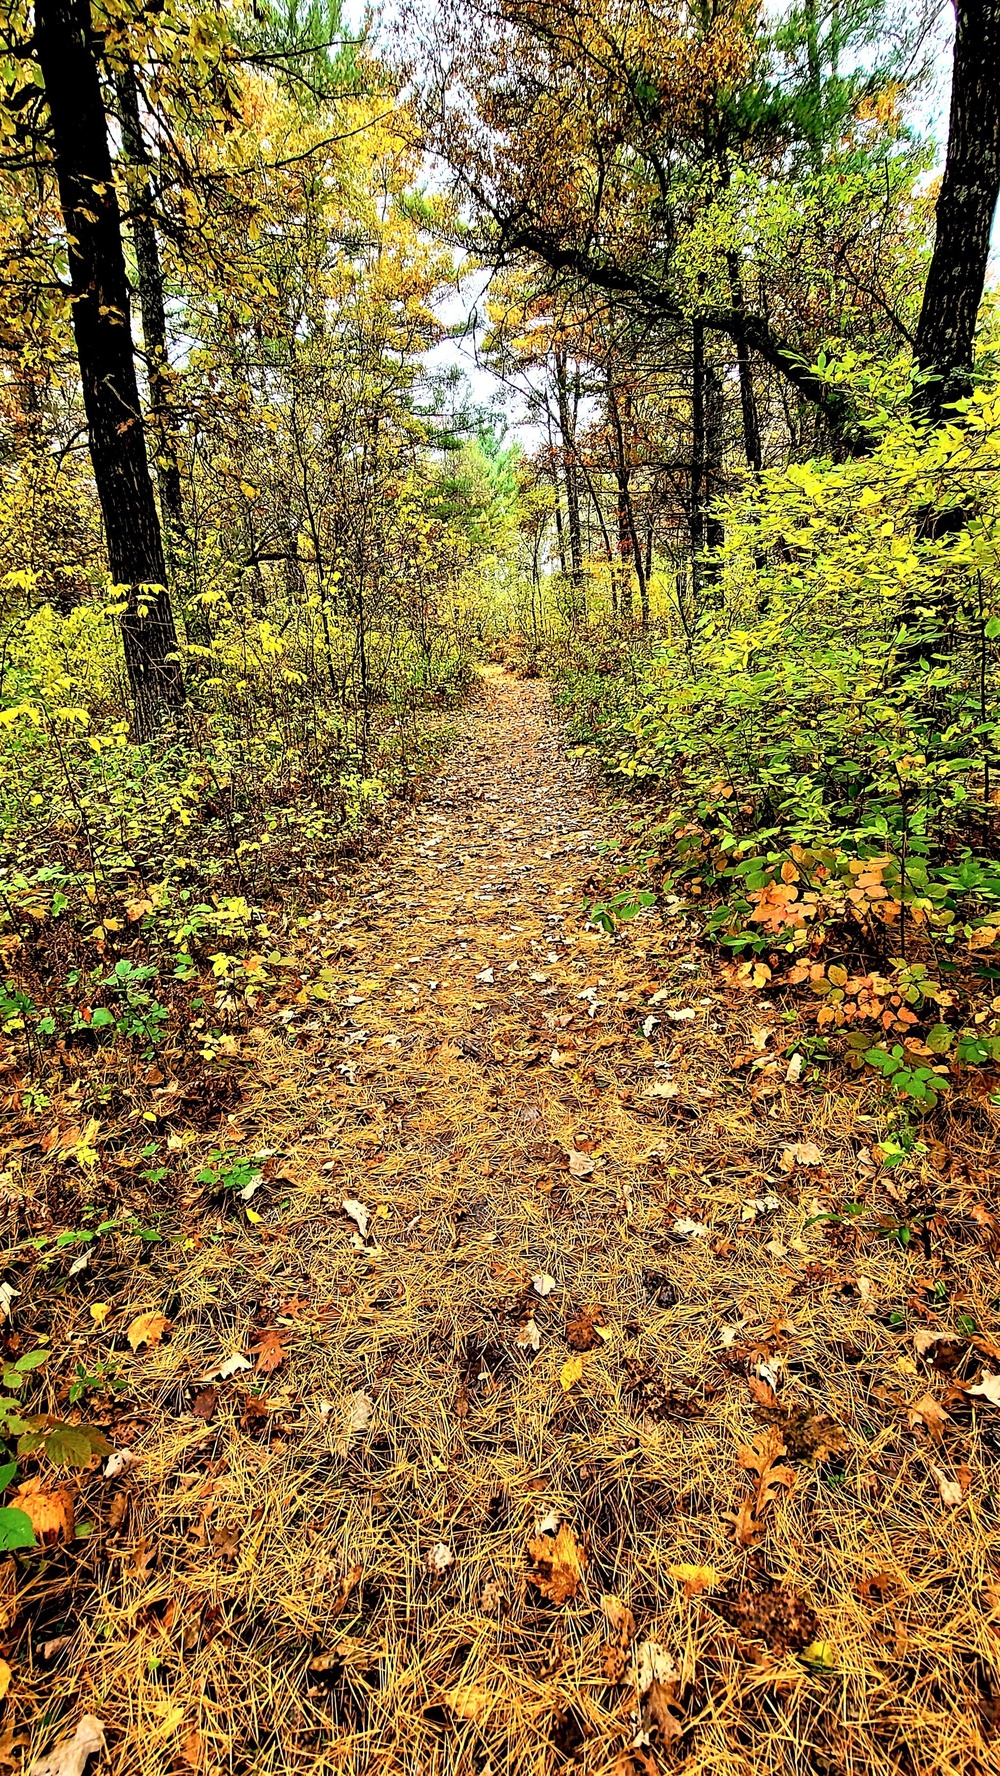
point(147, 1328)
point(270, 1350)
point(558, 1563)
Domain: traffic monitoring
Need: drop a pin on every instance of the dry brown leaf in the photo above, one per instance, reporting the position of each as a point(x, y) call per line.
point(949, 1491)
point(69, 1757)
point(803, 1153)
point(147, 1328)
point(558, 1563)
point(931, 1415)
point(581, 1332)
point(580, 1164)
point(270, 1350)
point(50, 1510)
point(614, 1653)
point(656, 1680)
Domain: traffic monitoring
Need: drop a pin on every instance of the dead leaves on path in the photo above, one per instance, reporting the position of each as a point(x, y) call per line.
point(761, 1458)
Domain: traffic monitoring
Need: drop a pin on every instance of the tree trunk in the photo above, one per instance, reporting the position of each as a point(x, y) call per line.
point(154, 322)
point(567, 430)
point(628, 538)
point(65, 50)
point(696, 510)
point(965, 209)
point(748, 400)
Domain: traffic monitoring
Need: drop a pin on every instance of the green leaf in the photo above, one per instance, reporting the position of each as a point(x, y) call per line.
point(15, 1529)
point(939, 1039)
point(32, 1360)
point(101, 1019)
point(7, 1473)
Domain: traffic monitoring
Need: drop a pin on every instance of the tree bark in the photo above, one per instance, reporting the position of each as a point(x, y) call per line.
point(965, 209)
point(66, 56)
point(567, 431)
point(748, 399)
point(628, 537)
point(152, 309)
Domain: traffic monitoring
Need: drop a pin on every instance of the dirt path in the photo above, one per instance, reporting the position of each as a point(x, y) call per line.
point(385, 1547)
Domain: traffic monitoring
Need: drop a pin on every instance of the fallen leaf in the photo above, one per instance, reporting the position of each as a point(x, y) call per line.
point(359, 1413)
point(228, 1367)
point(662, 1088)
point(684, 1016)
point(470, 1702)
point(695, 1579)
point(529, 1337)
point(614, 1653)
point(5, 1676)
point(542, 1284)
point(486, 976)
point(685, 1228)
point(99, 1311)
point(656, 1680)
point(795, 1066)
point(270, 1351)
point(204, 1403)
point(988, 1389)
point(581, 1333)
point(570, 1373)
point(931, 1415)
point(69, 1757)
point(8, 1295)
point(147, 1328)
point(580, 1164)
point(357, 1212)
point(950, 1491)
point(439, 1558)
point(558, 1564)
point(803, 1153)
point(820, 1655)
point(48, 1509)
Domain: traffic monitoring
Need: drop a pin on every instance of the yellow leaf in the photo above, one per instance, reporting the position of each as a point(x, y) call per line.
point(253, 1216)
point(695, 1579)
point(99, 1311)
point(147, 1328)
point(820, 1654)
point(5, 1676)
point(570, 1373)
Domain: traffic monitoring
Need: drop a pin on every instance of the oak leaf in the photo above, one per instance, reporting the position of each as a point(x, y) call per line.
point(928, 1412)
point(270, 1350)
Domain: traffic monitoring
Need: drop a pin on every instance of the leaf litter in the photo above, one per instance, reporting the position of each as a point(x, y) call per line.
point(498, 1132)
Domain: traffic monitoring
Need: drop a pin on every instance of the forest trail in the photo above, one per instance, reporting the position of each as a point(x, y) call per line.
point(524, 1418)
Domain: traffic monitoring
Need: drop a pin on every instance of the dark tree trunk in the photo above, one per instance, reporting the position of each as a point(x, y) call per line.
point(748, 400)
point(696, 493)
point(965, 208)
point(152, 308)
point(567, 430)
point(66, 56)
point(628, 537)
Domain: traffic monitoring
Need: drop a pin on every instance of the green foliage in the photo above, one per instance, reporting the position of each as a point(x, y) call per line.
point(823, 744)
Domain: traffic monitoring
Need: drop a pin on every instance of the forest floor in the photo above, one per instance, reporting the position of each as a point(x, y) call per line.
point(530, 1413)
